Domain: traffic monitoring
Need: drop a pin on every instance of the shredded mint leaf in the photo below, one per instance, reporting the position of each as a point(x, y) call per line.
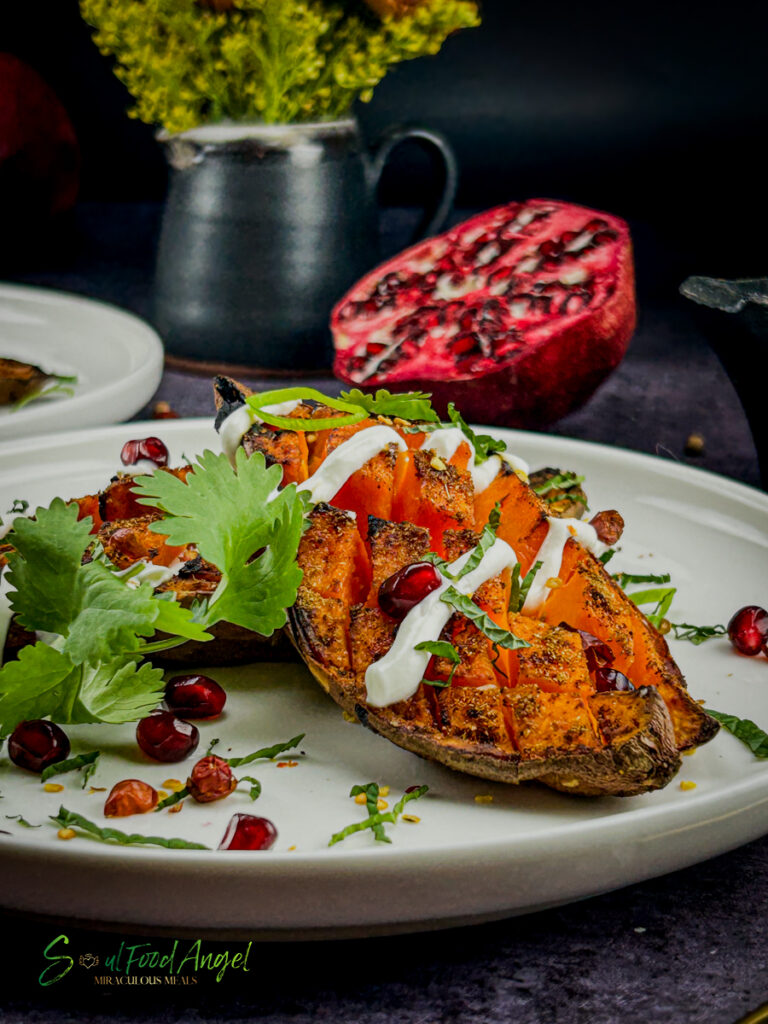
point(560, 482)
point(19, 507)
point(439, 562)
point(467, 607)
point(68, 819)
point(745, 730)
point(696, 634)
point(410, 405)
point(485, 446)
point(662, 596)
point(487, 539)
point(266, 753)
point(255, 790)
point(374, 820)
point(72, 764)
point(172, 798)
point(519, 590)
point(607, 555)
point(230, 516)
point(625, 578)
point(371, 791)
point(63, 386)
point(21, 821)
point(212, 744)
point(441, 649)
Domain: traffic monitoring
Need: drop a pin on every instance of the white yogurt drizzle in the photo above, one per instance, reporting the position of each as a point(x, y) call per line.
point(350, 456)
point(397, 675)
point(445, 443)
point(239, 422)
point(156, 575)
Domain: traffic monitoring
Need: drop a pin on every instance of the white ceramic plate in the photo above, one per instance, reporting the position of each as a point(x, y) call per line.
point(117, 359)
point(527, 849)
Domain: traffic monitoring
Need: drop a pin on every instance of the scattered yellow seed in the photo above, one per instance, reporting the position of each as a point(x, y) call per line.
point(161, 794)
point(385, 419)
point(664, 626)
point(554, 583)
point(381, 805)
point(173, 784)
point(348, 717)
point(484, 798)
point(694, 445)
point(691, 752)
point(383, 790)
point(53, 787)
point(523, 476)
point(569, 783)
point(97, 789)
point(360, 798)
point(290, 848)
point(287, 764)
point(412, 819)
point(687, 785)
point(176, 807)
point(310, 438)
point(66, 833)
point(437, 463)
point(572, 530)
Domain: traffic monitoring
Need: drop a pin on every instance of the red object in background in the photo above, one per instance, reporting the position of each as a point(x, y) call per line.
point(39, 156)
point(516, 315)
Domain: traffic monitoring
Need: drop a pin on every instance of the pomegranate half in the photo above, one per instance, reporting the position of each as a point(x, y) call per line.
point(516, 315)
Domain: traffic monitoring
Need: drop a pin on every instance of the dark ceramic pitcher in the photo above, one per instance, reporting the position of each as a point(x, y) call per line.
point(265, 228)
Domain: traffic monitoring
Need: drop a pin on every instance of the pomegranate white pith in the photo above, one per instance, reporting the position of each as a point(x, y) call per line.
point(516, 315)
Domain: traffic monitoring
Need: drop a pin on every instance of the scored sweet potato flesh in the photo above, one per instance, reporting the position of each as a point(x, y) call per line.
point(532, 713)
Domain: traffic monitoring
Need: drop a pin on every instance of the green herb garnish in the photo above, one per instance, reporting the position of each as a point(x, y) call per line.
point(607, 556)
point(173, 798)
point(257, 403)
point(371, 791)
point(21, 821)
point(661, 596)
point(411, 405)
point(266, 753)
point(485, 446)
point(229, 516)
point(86, 761)
point(385, 817)
point(520, 590)
point(18, 507)
point(214, 742)
point(625, 578)
point(68, 819)
point(559, 482)
point(440, 649)
point(255, 790)
point(487, 540)
point(745, 730)
point(696, 634)
point(467, 607)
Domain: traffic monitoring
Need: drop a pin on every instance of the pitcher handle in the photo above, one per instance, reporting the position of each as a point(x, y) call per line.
point(441, 153)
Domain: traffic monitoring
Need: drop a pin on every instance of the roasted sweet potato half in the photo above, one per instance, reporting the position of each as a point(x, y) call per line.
point(541, 712)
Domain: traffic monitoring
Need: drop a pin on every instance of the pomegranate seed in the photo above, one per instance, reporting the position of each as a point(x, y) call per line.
point(404, 589)
point(131, 796)
point(607, 679)
point(164, 737)
point(211, 779)
point(748, 630)
point(36, 744)
point(150, 448)
point(247, 832)
point(195, 696)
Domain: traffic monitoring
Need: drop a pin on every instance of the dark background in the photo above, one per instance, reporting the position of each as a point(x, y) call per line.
point(653, 111)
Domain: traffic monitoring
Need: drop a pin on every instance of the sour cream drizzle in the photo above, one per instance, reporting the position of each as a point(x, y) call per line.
point(445, 442)
point(239, 422)
point(156, 575)
point(350, 456)
point(397, 675)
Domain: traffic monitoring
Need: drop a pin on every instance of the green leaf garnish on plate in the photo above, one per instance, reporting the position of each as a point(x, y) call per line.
point(69, 819)
point(374, 821)
point(696, 634)
point(73, 764)
point(745, 730)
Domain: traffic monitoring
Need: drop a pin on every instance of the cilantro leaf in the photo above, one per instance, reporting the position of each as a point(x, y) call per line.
point(410, 405)
point(467, 607)
point(42, 681)
point(45, 563)
point(745, 730)
point(118, 691)
point(230, 516)
point(485, 446)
